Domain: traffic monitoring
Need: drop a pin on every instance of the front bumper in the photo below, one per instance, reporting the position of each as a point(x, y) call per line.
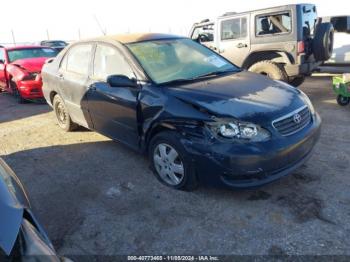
point(31, 89)
point(244, 165)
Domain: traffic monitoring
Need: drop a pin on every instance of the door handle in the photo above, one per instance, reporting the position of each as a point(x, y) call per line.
point(241, 45)
point(60, 76)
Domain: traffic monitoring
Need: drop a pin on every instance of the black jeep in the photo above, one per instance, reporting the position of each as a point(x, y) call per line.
point(286, 43)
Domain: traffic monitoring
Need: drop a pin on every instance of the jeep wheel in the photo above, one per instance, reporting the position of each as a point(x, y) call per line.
point(297, 81)
point(270, 69)
point(323, 42)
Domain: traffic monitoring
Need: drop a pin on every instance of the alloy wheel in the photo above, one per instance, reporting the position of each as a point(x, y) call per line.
point(168, 164)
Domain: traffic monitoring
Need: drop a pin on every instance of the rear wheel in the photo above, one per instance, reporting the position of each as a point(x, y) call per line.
point(63, 118)
point(271, 69)
point(343, 100)
point(170, 162)
point(16, 92)
point(297, 81)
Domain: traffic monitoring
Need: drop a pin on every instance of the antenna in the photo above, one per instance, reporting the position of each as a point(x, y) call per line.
point(103, 31)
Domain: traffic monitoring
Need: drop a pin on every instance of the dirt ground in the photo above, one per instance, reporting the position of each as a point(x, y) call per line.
point(95, 196)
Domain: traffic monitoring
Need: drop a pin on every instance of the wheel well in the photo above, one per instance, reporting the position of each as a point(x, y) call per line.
point(278, 57)
point(52, 95)
point(156, 130)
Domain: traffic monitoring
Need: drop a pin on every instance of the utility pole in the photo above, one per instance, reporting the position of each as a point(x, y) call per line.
point(103, 31)
point(13, 37)
point(47, 34)
point(79, 36)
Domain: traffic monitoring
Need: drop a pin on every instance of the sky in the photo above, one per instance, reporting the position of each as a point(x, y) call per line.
point(36, 20)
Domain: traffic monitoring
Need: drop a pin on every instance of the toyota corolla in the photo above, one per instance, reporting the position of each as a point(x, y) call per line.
point(200, 118)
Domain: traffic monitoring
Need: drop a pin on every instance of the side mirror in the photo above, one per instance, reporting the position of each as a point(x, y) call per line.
point(2, 61)
point(121, 81)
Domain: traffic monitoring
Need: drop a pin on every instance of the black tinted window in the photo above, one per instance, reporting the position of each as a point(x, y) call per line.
point(109, 61)
point(77, 60)
point(277, 23)
point(234, 28)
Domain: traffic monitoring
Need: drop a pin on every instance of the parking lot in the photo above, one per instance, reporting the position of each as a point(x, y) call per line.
point(95, 196)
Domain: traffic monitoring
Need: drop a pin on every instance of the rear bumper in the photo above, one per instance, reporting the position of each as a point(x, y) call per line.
point(31, 89)
point(246, 165)
point(303, 66)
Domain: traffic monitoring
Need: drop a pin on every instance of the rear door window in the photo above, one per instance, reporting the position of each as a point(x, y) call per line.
point(235, 28)
point(271, 24)
point(2, 54)
point(77, 60)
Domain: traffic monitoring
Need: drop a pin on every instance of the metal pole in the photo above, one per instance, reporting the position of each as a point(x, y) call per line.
point(13, 37)
point(47, 34)
point(79, 36)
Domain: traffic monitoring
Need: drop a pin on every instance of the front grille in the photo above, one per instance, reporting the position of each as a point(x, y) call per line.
point(291, 123)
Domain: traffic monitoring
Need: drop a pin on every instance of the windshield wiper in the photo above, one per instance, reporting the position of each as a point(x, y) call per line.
point(217, 73)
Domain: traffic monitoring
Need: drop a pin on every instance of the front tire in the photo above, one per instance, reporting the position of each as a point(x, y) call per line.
point(343, 100)
point(170, 163)
point(16, 93)
point(271, 69)
point(63, 118)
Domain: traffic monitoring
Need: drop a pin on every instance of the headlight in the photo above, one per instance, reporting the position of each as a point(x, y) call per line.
point(30, 76)
point(308, 102)
point(238, 130)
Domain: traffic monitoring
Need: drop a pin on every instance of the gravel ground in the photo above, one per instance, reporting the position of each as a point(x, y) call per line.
point(95, 196)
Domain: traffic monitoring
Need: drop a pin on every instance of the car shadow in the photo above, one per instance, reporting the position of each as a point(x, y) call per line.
point(11, 110)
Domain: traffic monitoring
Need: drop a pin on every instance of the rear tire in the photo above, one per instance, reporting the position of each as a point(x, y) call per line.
point(297, 81)
point(16, 93)
point(271, 69)
point(323, 42)
point(343, 100)
point(63, 118)
point(170, 162)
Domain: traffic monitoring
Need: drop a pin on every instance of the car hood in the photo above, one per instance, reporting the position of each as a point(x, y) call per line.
point(13, 201)
point(244, 95)
point(31, 64)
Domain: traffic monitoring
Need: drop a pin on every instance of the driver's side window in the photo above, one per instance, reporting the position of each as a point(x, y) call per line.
point(109, 61)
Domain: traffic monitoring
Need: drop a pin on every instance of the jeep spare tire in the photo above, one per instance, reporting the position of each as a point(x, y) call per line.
point(323, 42)
point(271, 69)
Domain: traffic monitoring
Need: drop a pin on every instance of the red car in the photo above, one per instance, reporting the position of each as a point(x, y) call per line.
point(20, 69)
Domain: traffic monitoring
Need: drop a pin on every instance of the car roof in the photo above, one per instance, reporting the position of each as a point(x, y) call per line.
point(136, 37)
point(18, 47)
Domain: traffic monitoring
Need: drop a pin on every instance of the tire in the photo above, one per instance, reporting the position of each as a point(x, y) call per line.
point(323, 42)
point(271, 69)
point(297, 81)
point(16, 93)
point(63, 118)
point(343, 100)
point(187, 179)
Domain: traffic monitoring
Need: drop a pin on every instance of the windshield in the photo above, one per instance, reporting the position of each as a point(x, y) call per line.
point(30, 53)
point(178, 59)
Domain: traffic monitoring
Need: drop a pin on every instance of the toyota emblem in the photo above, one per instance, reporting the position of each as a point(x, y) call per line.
point(297, 118)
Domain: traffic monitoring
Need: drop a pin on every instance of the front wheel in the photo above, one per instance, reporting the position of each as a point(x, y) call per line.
point(343, 100)
point(170, 163)
point(16, 92)
point(63, 118)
